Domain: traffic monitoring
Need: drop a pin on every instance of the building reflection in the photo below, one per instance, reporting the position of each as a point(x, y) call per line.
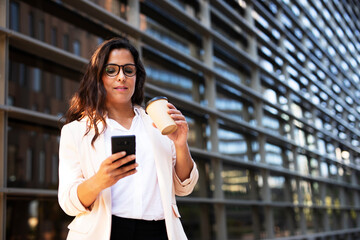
point(273, 111)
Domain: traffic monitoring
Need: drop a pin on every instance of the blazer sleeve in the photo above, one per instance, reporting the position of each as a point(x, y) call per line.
point(70, 173)
point(184, 188)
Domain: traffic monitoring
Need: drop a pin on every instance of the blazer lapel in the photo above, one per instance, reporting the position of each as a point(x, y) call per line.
point(97, 153)
point(163, 162)
point(160, 145)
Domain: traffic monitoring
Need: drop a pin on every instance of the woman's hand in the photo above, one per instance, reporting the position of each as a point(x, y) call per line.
point(179, 137)
point(184, 162)
point(109, 173)
point(110, 170)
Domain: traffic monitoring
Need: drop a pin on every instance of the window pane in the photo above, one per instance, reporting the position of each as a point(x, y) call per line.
point(33, 218)
point(239, 222)
point(39, 23)
point(283, 222)
point(77, 47)
point(15, 16)
point(31, 152)
point(233, 144)
point(237, 183)
point(40, 85)
point(277, 186)
point(197, 220)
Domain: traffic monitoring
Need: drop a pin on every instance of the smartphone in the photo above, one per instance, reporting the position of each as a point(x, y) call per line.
point(123, 143)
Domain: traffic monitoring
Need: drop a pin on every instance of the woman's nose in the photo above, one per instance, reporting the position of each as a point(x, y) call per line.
point(121, 75)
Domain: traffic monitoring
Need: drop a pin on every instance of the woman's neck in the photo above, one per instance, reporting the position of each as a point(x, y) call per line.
point(122, 114)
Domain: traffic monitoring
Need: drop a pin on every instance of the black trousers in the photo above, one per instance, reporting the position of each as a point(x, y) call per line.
point(134, 229)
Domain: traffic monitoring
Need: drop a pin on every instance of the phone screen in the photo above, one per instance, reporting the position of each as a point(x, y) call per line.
point(123, 143)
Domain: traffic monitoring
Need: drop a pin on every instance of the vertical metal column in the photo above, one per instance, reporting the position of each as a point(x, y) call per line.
point(316, 218)
point(208, 45)
point(325, 217)
point(256, 85)
point(205, 208)
point(255, 216)
point(133, 17)
point(344, 213)
point(290, 219)
point(356, 196)
point(4, 4)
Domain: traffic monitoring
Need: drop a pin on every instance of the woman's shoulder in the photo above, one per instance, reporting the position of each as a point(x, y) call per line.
point(76, 124)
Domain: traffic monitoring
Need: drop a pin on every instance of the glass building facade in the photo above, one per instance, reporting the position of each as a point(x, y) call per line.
point(270, 89)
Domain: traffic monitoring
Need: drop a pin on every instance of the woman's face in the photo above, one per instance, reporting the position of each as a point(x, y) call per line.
point(119, 87)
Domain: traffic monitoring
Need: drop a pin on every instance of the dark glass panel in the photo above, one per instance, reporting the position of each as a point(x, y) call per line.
point(198, 220)
point(15, 16)
point(238, 183)
point(54, 35)
point(306, 191)
point(66, 44)
point(230, 103)
point(174, 82)
point(77, 47)
point(40, 85)
point(31, 24)
point(32, 156)
point(271, 121)
point(203, 188)
point(240, 223)
point(273, 154)
point(278, 187)
point(353, 216)
point(233, 144)
point(45, 23)
point(310, 217)
point(316, 197)
point(335, 219)
point(35, 218)
point(283, 222)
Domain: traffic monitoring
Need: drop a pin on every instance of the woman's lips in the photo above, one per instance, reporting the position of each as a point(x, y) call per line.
point(121, 88)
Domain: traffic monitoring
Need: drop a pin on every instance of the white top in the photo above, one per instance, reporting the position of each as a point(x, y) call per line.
point(136, 196)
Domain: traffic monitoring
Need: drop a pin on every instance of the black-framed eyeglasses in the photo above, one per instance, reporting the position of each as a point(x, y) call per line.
point(112, 69)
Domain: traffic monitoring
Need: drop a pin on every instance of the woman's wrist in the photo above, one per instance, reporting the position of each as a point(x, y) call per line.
point(94, 185)
point(88, 191)
point(181, 145)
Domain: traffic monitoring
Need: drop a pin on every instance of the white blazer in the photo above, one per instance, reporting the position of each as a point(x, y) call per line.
point(79, 161)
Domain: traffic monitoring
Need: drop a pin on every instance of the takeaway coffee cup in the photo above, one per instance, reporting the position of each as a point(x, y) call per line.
point(157, 109)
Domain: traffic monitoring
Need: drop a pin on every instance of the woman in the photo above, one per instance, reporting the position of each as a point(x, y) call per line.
point(136, 201)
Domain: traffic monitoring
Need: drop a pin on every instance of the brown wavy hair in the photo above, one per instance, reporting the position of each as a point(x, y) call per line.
point(89, 100)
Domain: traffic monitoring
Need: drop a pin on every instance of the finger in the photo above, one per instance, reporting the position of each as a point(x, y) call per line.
point(124, 160)
point(123, 169)
point(125, 174)
point(116, 156)
point(180, 122)
point(171, 106)
point(173, 111)
point(182, 126)
point(178, 117)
